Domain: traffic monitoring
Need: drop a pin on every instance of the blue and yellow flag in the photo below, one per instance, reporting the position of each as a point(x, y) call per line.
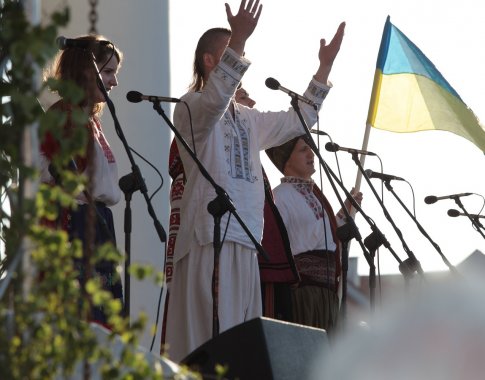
point(409, 94)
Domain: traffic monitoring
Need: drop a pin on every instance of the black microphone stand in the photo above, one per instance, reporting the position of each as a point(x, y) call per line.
point(349, 230)
point(217, 208)
point(411, 264)
point(345, 234)
point(475, 222)
point(478, 222)
point(389, 187)
point(128, 184)
point(135, 170)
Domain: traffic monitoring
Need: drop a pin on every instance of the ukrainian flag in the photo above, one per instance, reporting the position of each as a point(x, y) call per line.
point(409, 94)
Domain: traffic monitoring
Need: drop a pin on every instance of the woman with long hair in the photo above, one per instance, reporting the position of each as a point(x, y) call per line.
point(92, 220)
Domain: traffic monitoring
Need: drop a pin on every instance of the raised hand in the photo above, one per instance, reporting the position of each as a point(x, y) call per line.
point(357, 195)
point(327, 54)
point(243, 23)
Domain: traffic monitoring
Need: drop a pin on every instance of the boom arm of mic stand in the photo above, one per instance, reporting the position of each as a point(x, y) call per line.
point(223, 198)
point(136, 171)
point(389, 187)
point(137, 178)
point(478, 226)
point(410, 265)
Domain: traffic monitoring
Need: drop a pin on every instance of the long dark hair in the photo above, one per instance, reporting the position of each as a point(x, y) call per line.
point(207, 44)
point(75, 64)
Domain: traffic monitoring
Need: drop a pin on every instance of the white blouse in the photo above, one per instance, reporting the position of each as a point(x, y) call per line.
point(229, 147)
point(305, 219)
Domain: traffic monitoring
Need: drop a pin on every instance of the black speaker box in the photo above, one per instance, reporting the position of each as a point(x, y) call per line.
point(261, 348)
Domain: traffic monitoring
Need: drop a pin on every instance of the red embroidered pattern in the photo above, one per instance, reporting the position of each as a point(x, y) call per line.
point(317, 268)
point(104, 144)
point(175, 166)
point(177, 189)
point(305, 188)
point(176, 193)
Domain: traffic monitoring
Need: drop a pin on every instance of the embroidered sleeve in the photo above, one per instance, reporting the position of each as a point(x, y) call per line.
point(231, 67)
point(232, 62)
point(317, 91)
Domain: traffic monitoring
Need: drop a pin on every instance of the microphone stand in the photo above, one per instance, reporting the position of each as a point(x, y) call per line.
point(349, 230)
point(345, 234)
point(217, 208)
point(389, 187)
point(128, 184)
point(478, 222)
point(135, 170)
point(411, 264)
point(475, 222)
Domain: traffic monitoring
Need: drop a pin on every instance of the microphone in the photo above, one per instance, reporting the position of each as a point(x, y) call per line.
point(332, 147)
point(273, 84)
point(432, 199)
point(454, 213)
point(136, 97)
point(64, 43)
point(382, 176)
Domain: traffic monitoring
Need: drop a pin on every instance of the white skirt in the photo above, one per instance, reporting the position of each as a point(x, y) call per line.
point(189, 318)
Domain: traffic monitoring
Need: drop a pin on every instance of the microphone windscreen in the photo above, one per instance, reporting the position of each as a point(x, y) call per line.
point(134, 96)
point(453, 213)
point(331, 147)
point(272, 83)
point(430, 199)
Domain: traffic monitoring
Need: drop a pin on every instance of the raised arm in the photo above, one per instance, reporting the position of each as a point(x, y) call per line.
point(243, 23)
point(327, 54)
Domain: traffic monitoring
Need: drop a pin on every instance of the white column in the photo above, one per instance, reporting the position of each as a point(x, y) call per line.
point(30, 151)
point(140, 30)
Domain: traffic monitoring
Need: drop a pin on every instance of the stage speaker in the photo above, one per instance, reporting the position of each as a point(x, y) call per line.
point(261, 348)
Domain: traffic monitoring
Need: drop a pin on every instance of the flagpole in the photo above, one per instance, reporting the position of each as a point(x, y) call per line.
point(365, 143)
point(371, 113)
point(376, 88)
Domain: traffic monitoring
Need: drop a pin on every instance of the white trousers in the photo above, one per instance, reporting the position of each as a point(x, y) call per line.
point(189, 318)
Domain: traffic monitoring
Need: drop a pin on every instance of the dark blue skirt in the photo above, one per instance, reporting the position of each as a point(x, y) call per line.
point(104, 232)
